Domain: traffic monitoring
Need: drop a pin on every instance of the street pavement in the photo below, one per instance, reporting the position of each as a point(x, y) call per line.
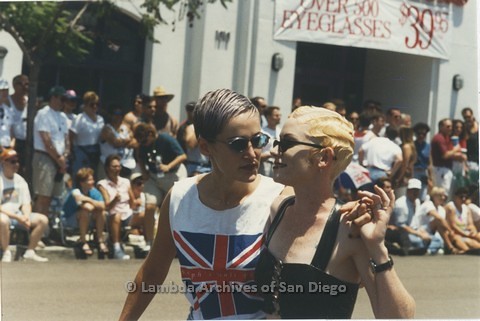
point(69, 289)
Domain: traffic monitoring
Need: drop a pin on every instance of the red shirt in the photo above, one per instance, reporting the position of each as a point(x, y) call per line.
point(439, 147)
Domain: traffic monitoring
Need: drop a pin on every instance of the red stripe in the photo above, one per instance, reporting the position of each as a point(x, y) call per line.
point(197, 275)
point(221, 252)
point(247, 255)
point(192, 254)
point(227, 305)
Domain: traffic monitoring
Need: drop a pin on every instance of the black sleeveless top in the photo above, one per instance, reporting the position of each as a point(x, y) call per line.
point(302, 291)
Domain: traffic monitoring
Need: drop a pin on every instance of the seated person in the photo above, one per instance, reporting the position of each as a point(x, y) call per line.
point(139, 220)
point(460, 219)
point(16, 208)
point(400, 230)
point(430, 218)
point(472, 203)
point(118, 198)
point(82, 204)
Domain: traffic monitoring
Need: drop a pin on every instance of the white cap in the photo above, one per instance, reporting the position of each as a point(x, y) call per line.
point(3, 84)
point(414, 183)
point(134, 176)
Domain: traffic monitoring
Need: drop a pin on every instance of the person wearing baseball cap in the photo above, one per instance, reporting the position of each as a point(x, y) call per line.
point(52, 148)
point(5, 117)
point(16, 209)
point(70, 100)
point(18, 111)
point(3, 92)
point(164, 122)
point(411, 240)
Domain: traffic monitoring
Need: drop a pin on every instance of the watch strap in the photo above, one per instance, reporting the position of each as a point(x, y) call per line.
point(377, 268)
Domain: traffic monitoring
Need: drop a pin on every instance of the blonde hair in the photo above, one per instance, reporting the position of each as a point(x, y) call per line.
point(437, 191)
point(83, 174)
point(90, 97)
point(329, 129)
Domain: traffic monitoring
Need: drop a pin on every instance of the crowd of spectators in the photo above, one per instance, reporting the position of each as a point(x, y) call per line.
point(435, 181)
point(112, 168)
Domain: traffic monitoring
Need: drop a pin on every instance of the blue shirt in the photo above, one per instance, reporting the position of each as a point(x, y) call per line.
point(70, 207)
point(423, 155)
point(165, 146)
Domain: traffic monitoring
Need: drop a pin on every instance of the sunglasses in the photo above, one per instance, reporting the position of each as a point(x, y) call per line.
point(284, 145)
point(13, 161)
point(138, 183)
point(240, 144)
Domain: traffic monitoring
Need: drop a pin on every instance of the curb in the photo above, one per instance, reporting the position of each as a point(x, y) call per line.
point(55, 253)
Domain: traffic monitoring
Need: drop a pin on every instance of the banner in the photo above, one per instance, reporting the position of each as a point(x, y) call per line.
point(414, 27)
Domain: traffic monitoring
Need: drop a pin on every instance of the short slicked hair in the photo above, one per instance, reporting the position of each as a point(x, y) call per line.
point(216, 108)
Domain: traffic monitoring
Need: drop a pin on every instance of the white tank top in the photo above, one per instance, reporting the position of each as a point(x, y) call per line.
point(461, 218)
point(218, 250)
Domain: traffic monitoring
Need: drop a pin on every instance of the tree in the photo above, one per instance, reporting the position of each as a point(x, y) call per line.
point(53, 29)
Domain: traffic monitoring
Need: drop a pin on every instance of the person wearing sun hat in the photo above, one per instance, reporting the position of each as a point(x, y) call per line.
point(164, 122)
point(16, 208)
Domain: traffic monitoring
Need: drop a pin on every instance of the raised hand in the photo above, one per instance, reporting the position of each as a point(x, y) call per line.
point(380, 205)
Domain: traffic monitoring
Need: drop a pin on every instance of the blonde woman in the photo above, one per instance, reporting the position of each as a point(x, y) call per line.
point(85, 134)
point(310, 242)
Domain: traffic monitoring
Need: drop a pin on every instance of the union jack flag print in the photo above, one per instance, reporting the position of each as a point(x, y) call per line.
point(212, 262)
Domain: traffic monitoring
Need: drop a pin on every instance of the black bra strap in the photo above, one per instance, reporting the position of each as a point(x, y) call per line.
point(327, 241)
point(276, 220)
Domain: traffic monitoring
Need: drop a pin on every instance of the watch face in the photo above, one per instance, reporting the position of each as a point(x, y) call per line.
point(373, 266)
point(381, 267)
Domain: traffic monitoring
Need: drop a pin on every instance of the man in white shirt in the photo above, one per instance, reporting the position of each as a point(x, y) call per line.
point(272, 129)
point(383, 157)
point(51, 144)
point(400, 231)
point(16, 209)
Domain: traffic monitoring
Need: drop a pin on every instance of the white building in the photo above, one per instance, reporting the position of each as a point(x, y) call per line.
point(234, 47)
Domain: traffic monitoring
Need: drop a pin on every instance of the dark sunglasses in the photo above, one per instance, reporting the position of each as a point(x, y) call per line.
point(13, 161)
point(138, 183)
point(240, 144)
point(284, 145)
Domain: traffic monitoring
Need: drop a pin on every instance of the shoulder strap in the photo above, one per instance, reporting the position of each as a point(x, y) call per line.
point(327, 241)
point(276, 220)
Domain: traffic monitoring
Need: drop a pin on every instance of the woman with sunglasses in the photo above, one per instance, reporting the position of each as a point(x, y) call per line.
point(460, 220)
point(312, 265)
point(117, 138)
point(85, 134)
point(214, 222)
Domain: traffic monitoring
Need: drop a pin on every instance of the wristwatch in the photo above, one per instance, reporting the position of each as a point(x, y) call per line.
point(377, 268)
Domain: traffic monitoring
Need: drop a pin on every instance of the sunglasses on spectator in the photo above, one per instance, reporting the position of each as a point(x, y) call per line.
point(13, 161)
point(285, 144)
point(138, 183)
point(240, 144)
